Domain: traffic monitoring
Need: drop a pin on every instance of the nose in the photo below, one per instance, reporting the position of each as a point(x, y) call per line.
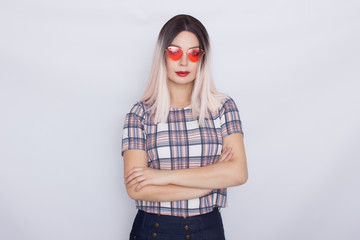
point(184, 59)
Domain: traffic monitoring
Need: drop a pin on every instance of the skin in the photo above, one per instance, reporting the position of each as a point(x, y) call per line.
point(143, 183)
point(181, 87)
point(137, 159)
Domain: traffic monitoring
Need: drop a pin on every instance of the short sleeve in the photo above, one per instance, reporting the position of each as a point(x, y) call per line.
point(133, 131)
point(230, 119)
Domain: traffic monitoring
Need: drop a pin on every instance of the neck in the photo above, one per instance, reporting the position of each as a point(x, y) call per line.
point(180, 94)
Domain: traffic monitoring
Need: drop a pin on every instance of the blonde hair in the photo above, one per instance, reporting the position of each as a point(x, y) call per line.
point(205, 98)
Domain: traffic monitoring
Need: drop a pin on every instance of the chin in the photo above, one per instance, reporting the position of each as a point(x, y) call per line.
point(181, 80)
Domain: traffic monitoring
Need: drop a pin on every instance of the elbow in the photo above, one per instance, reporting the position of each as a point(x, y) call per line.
point(240, 178)
point(132, 194)
point(238, 172)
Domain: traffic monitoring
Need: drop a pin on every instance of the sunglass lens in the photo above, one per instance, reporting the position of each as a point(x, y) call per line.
point(194, 54)
point(174, 53)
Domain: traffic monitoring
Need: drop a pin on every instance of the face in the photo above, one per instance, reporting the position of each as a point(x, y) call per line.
point(176, 70)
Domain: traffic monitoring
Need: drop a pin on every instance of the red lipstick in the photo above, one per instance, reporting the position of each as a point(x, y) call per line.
point(182, 73)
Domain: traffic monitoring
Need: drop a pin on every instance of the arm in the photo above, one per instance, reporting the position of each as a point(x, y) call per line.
point(222, 174)
point(158, 193)
point(167, 193)
point(161, 193)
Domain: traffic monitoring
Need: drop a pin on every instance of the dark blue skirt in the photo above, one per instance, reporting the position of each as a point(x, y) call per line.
point(149, 226)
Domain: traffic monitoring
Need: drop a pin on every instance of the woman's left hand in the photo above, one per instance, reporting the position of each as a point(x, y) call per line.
point(146, 176)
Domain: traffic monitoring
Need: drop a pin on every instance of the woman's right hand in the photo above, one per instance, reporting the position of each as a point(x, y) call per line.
point(225, 155)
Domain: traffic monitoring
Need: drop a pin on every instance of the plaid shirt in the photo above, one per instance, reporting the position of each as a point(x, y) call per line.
point(181, 143)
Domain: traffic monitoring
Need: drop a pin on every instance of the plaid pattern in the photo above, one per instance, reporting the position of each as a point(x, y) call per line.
point(181, 143)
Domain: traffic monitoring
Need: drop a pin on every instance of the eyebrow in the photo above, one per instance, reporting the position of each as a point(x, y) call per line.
point(180, 47)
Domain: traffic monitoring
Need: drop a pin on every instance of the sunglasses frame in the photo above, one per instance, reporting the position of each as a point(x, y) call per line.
point(187, 52)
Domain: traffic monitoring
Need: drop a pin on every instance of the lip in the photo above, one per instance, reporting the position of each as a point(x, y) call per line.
point(182, 73)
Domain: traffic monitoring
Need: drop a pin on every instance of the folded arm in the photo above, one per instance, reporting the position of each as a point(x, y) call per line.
point(219, 175)
point(222, 174)
point(167, 193)
point(158, 193)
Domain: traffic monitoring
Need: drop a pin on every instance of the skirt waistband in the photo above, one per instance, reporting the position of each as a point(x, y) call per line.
point(176, 224)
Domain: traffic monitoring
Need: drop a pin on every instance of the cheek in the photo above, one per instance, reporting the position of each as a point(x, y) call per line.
point(169, 66)
point(194, 68)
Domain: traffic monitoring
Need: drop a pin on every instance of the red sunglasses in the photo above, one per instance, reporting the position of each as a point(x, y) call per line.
point(175, 53)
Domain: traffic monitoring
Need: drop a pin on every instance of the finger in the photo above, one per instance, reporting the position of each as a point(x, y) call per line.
point(135, 181)
point(131, 183)
point(131, 171)
point(129, 178)
point(221, 159)
point(228, 157)
point(141, 185)
point(223, 154)
point(134, 175)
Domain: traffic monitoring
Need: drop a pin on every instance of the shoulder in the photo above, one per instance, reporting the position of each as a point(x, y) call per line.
point(137, 110)
point(228, 105)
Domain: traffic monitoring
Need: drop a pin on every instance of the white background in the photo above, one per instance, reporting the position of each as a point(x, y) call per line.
point(70, 70)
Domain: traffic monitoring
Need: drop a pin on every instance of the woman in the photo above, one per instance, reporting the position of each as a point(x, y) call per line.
point(182, 143)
